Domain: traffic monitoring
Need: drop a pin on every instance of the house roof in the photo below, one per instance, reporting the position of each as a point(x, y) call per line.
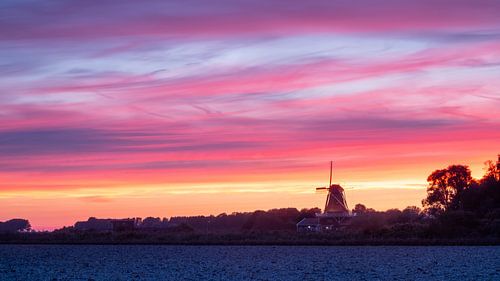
point(308, 221)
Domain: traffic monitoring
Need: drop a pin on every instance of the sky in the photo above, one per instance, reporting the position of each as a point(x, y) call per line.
point(165, 108)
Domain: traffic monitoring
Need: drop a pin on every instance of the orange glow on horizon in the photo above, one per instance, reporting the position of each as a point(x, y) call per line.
point(389, 187)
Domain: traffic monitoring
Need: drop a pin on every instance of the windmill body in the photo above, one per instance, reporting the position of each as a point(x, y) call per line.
point(336, 203)
point(335, 200)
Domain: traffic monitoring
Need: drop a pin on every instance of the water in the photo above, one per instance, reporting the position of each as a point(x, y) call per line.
point(134, 262)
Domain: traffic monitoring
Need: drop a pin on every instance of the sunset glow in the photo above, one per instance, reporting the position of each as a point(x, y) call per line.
point(118, 109)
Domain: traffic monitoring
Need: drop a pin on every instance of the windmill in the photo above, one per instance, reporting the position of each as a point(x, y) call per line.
point(336, 213)
point(335, 200)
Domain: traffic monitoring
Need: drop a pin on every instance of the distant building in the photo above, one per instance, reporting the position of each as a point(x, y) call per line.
point(94, 224)
point(108, 224)
point(308, 225)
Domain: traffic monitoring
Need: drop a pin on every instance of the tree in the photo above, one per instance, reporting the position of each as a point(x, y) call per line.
point(410, 214)
point(359, 209)
point(308, 213)
point(492, 171)
point(444, 186)
point(15, 225)
point(154, 223)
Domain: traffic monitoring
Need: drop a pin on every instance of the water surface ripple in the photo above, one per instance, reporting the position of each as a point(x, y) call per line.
point(156, 262)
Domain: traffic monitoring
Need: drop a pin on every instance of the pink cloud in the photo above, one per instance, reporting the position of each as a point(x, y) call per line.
point(79, 19)
point(130, 127)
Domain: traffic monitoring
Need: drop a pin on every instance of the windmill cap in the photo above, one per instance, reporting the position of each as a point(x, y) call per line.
point(336, 186)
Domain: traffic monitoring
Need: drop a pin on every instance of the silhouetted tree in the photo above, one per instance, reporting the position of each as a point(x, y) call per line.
point(484, 196)
point(444, 186)
point(15, 225)
point(154, 223)
point(368, 222)
point(359, 209)
point(275, 219)
point(308, 213)
point(492, 171)
point(392, 216)
point(410, 214)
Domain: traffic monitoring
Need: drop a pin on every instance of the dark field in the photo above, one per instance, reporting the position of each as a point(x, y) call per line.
point(149, 262)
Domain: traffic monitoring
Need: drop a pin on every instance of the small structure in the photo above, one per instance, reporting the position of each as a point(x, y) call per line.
point(308, 225)
point(95, 224)
point(335, 215)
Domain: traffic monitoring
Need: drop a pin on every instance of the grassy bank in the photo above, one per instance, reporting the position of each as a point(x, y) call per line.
point(272, 238)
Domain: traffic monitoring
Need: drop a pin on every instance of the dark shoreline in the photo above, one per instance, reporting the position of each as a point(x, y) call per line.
point(241, 240)
point(448, 244)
